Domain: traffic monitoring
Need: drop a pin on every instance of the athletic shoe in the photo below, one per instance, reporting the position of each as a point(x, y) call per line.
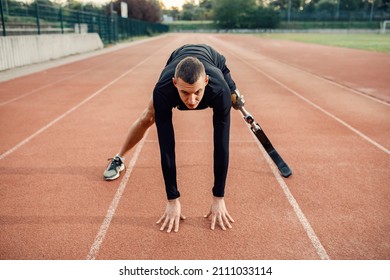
point(114, 168)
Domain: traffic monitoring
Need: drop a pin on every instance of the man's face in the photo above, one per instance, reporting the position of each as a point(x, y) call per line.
point(191, 94)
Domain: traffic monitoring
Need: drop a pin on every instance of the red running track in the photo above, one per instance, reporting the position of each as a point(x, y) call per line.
point(325, 109)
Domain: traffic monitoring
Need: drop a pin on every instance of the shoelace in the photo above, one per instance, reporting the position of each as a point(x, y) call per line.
point(114, 162)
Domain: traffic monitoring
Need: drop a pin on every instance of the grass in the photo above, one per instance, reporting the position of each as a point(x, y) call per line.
point(370, 42)
point(329, 25)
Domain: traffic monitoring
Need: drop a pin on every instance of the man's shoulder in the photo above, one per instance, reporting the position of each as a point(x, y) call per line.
point(195, 46)
point(203, 52)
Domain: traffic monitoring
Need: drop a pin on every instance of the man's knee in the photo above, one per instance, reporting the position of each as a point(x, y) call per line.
point(147, 118)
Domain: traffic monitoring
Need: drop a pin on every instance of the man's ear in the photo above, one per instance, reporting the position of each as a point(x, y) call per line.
point(174, 81)
point(207, 79)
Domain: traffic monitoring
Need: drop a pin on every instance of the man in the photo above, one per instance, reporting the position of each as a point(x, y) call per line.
point(195, 77)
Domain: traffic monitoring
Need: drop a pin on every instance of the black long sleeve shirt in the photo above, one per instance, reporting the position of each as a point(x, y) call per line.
point(216, 96)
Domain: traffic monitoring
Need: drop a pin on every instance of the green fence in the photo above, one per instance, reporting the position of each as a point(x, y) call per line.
point(335, 15)
point(35, 18)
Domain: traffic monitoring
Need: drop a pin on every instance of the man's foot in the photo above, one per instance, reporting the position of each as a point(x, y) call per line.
point(114, 168)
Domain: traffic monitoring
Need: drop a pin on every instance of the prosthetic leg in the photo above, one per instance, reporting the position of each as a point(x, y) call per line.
point(238, 103)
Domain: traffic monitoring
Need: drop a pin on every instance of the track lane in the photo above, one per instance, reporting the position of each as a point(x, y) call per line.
point(130, 236)
point(359, 70)
point(337, 201)
point(31, 113)
point(260, 210)
point(367, 119)
point(53, 198)
point(332, 170)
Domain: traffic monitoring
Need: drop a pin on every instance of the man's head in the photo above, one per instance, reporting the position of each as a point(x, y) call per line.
point(190, 80)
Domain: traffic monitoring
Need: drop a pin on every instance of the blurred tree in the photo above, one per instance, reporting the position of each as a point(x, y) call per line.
point(73, 4)
point(46, 8)
point(282, 5)
point(207, 6)
point(87, 7)
point(147, 10)
point(13, 7)
point(261, 17)
point(244, 14)
point(173, 12)
point(351, 5)
point(327, 6)
point(384, 5)
point(188, 10)
point(192, 11)
point(232, 13)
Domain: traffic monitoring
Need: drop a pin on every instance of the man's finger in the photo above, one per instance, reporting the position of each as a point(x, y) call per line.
point(221, 222)
point(164, 224)
point(159, 221)
point(171, 221)
point(230, 218)
point(213, 220)
point(207, 215)
point(177, 221)
point(226, 220)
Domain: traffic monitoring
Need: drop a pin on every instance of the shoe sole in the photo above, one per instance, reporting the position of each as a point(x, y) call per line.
point(117, 175)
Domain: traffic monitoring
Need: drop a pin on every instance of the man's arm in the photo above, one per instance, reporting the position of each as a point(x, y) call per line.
point(221, 123)
point(166, 138)
point(221, 120)
point(163, 118)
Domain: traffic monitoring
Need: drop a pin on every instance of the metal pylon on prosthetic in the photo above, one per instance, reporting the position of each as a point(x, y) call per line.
point(238, 103)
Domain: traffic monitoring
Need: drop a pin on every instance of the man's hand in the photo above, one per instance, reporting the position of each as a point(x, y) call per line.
point(219, 213)
point(172, 216)
point(237, 100)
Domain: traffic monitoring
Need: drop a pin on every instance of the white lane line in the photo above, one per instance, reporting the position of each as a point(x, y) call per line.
point(321, 252)
point(49, 85)
point(28, 139)
point(114, 204)
point(332, 82)
point(365, 137)
point(74, 59)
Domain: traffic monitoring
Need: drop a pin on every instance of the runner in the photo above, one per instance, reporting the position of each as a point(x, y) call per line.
point(195, 77)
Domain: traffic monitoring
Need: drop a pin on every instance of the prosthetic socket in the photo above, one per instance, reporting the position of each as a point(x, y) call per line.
point(238, 103)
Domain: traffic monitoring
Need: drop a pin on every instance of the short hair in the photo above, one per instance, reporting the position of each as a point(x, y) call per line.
point(190, 69)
